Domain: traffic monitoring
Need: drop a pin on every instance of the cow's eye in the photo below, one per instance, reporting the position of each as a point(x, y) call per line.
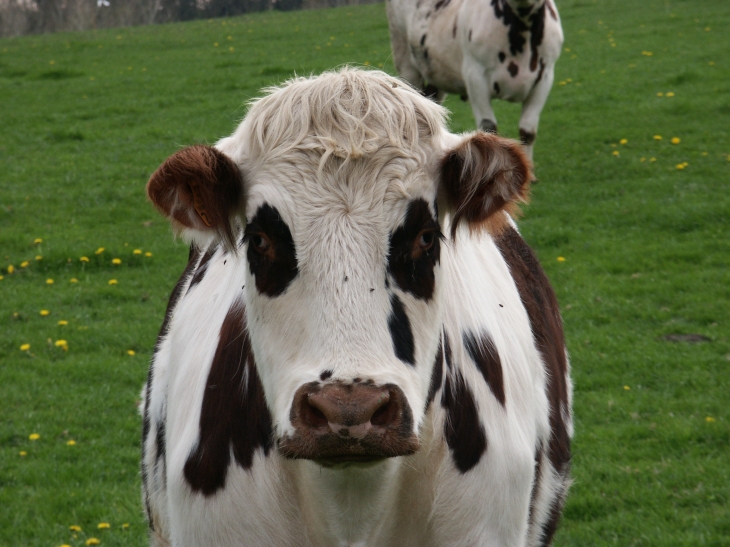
point(426, 240)
point(259, 242)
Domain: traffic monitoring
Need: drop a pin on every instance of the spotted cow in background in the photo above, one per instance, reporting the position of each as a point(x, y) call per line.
point(483, 49)
point(362, 350)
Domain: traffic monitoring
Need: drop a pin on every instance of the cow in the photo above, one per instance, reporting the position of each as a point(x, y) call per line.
point(480, 49)
point(362, 350)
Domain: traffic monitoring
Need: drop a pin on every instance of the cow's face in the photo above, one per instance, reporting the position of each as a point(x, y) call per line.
point(342, 255)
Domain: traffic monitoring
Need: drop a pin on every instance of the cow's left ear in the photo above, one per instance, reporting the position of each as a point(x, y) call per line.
point(200, 190)
point(485, 174)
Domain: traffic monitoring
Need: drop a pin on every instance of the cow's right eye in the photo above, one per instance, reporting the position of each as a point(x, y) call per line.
point(260, 243)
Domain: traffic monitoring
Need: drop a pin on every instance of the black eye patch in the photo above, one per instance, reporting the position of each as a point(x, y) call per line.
point(272, 258)
point(415, 248)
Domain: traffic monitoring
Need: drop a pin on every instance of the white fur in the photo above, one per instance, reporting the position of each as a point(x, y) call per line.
point(466, 62)
point(342, 188)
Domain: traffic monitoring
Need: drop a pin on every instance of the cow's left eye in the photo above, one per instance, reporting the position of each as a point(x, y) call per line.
point(260, 243)
point(426, 240)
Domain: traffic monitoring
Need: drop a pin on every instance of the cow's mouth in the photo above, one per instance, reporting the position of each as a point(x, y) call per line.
point(340, 424)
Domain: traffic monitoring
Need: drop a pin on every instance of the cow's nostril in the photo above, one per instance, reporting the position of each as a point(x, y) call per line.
point(311, 415)
point(386, 414)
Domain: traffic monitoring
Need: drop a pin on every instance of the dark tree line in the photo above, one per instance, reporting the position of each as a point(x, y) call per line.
point(18, 17)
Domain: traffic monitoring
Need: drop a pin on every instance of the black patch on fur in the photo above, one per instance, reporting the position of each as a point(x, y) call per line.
point(411, 266)
point(202, 267)
point(469, 35)
point(437, 374)
point(486, 358)
point(441, 4)
point(537, 33)
point(275, 269)
point(325, 375)
point(513, 69)
point(488, 126)
point(553, 13)
point(423, 40)
point(234, 418)
point(425, 54)
point(517, 26)
point(502, 56)
point(496, 88)
point(535, 487)
point(463, 430)
point(447, 352)
point(401, 333)
point(526, 137)
point(453, 31)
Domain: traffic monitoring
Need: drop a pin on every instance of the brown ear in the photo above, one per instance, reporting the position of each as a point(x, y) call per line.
point(198, 188)
point(483, 175)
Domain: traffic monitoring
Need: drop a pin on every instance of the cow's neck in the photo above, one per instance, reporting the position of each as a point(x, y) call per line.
point(345, 507)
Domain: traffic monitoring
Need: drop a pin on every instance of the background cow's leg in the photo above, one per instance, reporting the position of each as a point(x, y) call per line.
point(477, 88)
point(531, 109)
point(402, 59)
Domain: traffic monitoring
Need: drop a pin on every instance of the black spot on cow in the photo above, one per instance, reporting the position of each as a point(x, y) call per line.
point(441, 4)
point(437, 374)
point(453, 30)
point(535, 487)
point(401, 333)
point(415, 248)
point(464, 97)
point(496, 89)
point(551, 9)
point(485, 357)
point(423, 40)
point(527, 137)
point(325, 375)
point(160, 439)
point(425, 54)
point(463, 430)
point(513, 69)
point(234, 419)
point(541, 305)
point(202, 267)
point(488, 126)
point(271, 254)
point(502, 56)
point(447, 352)
point(517, 26)
point(537, 33)
point(428, 14)
point(470, 35)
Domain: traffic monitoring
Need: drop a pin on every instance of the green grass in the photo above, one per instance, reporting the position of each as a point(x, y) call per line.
point(86, 118)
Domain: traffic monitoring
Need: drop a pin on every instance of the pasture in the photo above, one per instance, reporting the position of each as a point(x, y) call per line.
point(630, 218)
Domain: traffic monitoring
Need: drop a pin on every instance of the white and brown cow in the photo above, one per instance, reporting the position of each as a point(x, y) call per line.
point(483, 49)
point(362, 350)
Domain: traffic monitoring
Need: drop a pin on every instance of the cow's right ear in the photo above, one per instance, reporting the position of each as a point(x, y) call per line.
point(200, 190)
point(484, 175)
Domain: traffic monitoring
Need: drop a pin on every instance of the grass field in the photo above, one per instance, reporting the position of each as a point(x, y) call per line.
point(643, 226)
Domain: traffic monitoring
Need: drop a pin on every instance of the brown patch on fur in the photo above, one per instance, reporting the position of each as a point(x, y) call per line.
point(484, 175)
point(552, 11)
point(486, 358)
point(513, 69)
point(198, 187)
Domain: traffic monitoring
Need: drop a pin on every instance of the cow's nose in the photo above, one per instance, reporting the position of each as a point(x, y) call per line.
point(350, 410)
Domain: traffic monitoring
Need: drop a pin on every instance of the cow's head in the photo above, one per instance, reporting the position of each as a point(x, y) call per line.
point(340, 193)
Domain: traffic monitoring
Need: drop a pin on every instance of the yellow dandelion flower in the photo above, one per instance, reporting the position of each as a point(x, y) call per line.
point(24, 347)
point(92, 541)
point(112, 281)
point(681, 166)
point(705, 153)
point(44, 312)
point(657, 137)
point(642, 160)
point(24, 264)
point(137, 251)
point(215, 44)
point(627, 388)
point(49, 281)
point(562, 82)
point(61, 344)
point(103, 525)
point(148, 254)
point(616, 153)
point(37, 240)
point(670, 94)
point(38, 257)
point(676, 140)
point(34, 436)
point(11, 269)
point(65, 545)
point(99, 251)
point(71, 443)
point(125, 525)
point(652, 160)
point(23, 453)
point(660, 94)
point(84, 259)
point(116, 261)
point(623, 141)
point(63, 322)
point(709, 419)
point(73, 280)
point(75, 528)
point(2, 277)
point(130, 352)
point(647, 53)
point(561, 259)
